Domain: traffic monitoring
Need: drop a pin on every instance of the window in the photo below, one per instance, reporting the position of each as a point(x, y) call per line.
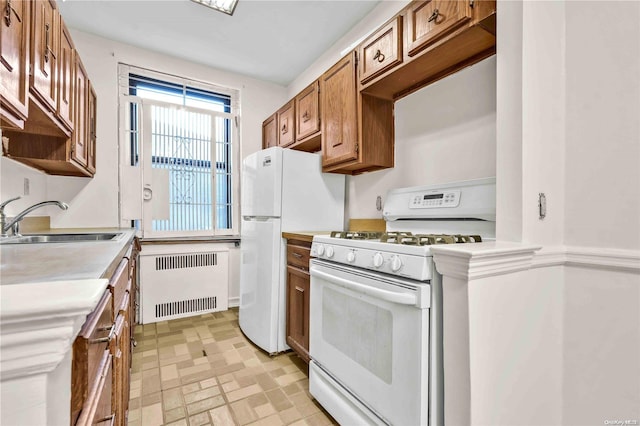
point(178, 138)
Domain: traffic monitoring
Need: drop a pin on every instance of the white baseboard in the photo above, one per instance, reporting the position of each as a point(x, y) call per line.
point(234, 302)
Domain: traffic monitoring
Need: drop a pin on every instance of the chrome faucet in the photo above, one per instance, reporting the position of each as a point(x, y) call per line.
point(14, 224)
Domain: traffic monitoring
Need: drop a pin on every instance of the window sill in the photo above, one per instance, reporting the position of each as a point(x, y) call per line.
point(192, 240)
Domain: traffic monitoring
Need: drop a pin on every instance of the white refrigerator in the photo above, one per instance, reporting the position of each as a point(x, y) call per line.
point(283, 190)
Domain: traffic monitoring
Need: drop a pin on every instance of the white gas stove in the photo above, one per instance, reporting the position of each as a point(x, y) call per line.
point(376, 341)
point(417, 218)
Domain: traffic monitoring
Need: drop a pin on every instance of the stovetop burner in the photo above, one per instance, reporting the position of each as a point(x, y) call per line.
point(406, 238)
point(356, 235)
point(427, 239)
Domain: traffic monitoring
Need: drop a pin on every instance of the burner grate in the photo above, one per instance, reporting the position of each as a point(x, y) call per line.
point(356, 235)
point(408, 238)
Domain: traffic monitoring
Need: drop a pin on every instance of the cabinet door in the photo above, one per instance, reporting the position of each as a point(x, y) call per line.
point(269, 132)
point(66, 68)
point(298, 284)
point(307, 106)
point(14, 60)
point(339, 112)
point(382, 51)
point(92, 111)
point(120, 379)
point(428, 21)
point(44, 48)
point(79, 150)
point(286, 124)
point(97, 408)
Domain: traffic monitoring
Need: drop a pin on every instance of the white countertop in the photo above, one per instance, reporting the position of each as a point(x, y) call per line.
point(69, 261)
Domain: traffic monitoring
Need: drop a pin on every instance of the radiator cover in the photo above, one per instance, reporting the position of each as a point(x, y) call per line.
point(179, 282)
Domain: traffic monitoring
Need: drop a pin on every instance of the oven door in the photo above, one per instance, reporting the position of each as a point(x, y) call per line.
point(369, 337)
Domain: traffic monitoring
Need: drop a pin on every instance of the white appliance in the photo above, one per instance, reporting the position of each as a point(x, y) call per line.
point(283, 190)
point(376, 306)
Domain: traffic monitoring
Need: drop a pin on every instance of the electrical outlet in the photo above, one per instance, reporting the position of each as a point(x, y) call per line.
point(26, 186)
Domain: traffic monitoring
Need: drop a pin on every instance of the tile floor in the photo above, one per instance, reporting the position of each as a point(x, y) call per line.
point(203, 371)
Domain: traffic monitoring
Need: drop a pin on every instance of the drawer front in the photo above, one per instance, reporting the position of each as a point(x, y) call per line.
point(382, 51)
point(298, 256)
point(88, 352)
point(429, 21)
point(118, 285)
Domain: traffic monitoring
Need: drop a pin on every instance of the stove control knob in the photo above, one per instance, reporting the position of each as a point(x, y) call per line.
point(396, 263)
point(329, 252)
point(351, 256)
point(378, 260)
point(320, 249)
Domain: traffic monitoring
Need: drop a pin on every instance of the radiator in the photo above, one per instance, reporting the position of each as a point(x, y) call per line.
point(179, 283)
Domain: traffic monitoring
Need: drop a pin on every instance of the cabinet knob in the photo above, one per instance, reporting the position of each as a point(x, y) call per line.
point(305, 116)
point(379, 56)
point(434, 16)
point(284, 129)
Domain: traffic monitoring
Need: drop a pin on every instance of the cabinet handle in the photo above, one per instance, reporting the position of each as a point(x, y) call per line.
point(284, 129)
point(106, 339)
point(305, 117)
point(297, 255)
point(7, 14)
point(112, 417)
point(134, 342)
point(434, 16)
point(379, 56)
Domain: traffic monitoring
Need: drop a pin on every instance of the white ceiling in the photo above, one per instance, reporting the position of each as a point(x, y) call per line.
point(269, 40)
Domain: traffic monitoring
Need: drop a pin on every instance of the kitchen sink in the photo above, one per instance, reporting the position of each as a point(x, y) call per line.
point(61, 238)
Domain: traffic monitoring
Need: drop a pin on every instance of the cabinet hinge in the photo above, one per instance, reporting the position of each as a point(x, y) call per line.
point(357, 148)
point(73, 148)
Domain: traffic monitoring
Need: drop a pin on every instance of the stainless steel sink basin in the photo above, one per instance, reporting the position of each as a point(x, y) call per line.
point(61, 238)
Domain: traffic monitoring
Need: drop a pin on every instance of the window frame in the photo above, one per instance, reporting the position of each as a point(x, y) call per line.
point(229, 168)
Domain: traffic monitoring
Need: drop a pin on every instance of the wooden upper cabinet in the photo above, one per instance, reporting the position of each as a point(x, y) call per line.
point(382, 51)
point(269, 132)
point(14, 62)
point(79, 149)
point(44, 49)
point(307, 107)
point(66, 75)
point(339, 103)
point(92, 116)
point(428, 21)
point(286, 117)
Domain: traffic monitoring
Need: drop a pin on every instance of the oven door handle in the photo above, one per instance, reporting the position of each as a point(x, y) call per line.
point(389, 296)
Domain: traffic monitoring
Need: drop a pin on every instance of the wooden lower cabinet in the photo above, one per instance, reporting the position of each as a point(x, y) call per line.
point(298, 286)
point(99, 393)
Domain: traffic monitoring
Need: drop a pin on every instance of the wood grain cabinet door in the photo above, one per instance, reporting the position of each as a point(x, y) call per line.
point(79, 149)
point(286, 124)
point(14, 61)
point(298, 284)
point(428, 21)
point(269, 132)
point(382, 51)
point(92, 116)
point(66, 76)
point(339, 104)
point(44, 51)
point(307, 107)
